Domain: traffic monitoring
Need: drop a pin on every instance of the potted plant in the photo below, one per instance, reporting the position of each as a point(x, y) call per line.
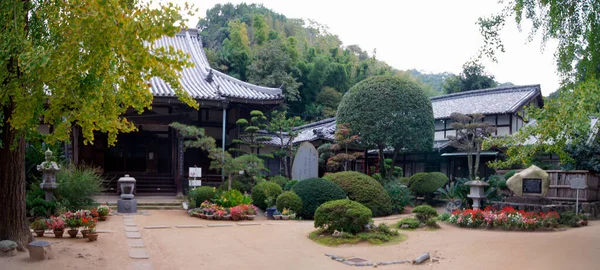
point(103, 211)
point(58, 226)
point(270, 201)
point(250, 211)
point(90, 223)
point(210, 213)
point(74, 223)
point(277, 215)
point(39, 226)
point(94, 213)
point(287, 214)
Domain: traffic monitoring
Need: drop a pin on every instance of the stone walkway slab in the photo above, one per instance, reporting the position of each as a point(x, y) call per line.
point(105, 231)
point(133, 235)
point(247, 224)
point(131, 229)
point(157, 227)
point(136, 243)
point(219, 225)
point(189, 226)
point(139, 253)
point(130, 224)
point(142, 265)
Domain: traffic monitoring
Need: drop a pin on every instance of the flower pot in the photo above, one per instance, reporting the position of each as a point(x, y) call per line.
point(250, 217)
point(270, 212)
point(92, 236)
point(58, 233)
point(277, 217)
point(209, 217)
point(73, 233)
point(285, 217)
point(39, 233)
point(227, 217)
point(102, 218)
point(85, 233)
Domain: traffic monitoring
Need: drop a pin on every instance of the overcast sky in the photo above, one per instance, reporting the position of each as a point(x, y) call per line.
point(428, 35)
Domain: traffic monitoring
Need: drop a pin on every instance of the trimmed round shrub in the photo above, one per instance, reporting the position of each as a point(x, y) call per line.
point(290, 184)
point(265, 190)
point(289, 200)
point(363, 189)
point(425, 212)
point(404, 181)
point(280, 180)
point(424, 183)
point(411, 222)
point(342, 215)
point(200, 194)
point(314, 192)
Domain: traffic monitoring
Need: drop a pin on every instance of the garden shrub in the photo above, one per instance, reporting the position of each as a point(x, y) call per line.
point(425, 212)
point(509, 174)
point(264, 191)
point(411, 222)
point(232, 198)
point(400, 195)
point(76, 186)
point(427, 183)
point(342, 215)
point(237, 185)
point(444, 216)
point(365, 190)
point(280, 180)
point(198, 195)
point(568, 218)
point(290, 184)
point(404, 181)
point(314, 192)
point(289, 200)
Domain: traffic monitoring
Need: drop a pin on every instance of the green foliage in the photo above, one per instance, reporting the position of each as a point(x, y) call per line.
point(568, 218)
point(198, 195)
point(452, 191)
point(290, 184)
point(329, 98)
point(273, 66)
point(343, 139)
point(411, 222)
point(76, 186)
point(400, 195)
point(342, 215)
point(584, 156)
point(232, 198)
point(280, 180)
point(281, 125)
point(314, 192)
point(363, 189)
point(404, 181)
point(382, 108)
point(444, 216)
point(39, 224)
point(251, 133)
point(375, 237)
point(472, 77)
point(471, 132)
point(426, 183)
point(289, 200)
point(265, 191)
point(509, 174)
point(425, 212)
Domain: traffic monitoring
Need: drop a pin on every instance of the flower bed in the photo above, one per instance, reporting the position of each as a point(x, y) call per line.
point(508, 218)
point(208, 210)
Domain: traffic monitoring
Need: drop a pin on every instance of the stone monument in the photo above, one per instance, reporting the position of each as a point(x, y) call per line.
point(529, 186)
point(306, 162)
point(48, 169)
point(127, 204)
point(477, 192)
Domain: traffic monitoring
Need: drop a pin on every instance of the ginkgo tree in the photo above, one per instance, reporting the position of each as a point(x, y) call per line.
point(76, 63)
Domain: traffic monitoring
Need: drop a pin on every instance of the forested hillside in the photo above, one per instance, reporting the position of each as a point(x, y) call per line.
point(312, 66)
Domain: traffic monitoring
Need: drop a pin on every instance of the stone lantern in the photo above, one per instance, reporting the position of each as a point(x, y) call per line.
point(48, 169)
point(477, 189)
point(127, 204)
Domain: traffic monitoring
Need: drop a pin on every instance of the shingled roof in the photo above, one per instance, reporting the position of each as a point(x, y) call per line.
point(203, 82)
point(497, 100)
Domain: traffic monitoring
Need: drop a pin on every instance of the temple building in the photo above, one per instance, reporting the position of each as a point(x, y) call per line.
point(154, 154)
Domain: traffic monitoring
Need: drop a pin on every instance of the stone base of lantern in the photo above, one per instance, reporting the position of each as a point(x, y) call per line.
point(476, 201)
point(127, 206)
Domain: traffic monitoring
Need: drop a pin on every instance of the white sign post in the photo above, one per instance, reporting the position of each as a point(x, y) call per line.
point(577, 184)
point(195, 172)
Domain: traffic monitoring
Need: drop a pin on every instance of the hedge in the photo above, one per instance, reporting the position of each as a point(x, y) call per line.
point(289, 200)
point(423, 183)
point(314, 192)
point(264, 190)
point(342, 215)
point(365, 190)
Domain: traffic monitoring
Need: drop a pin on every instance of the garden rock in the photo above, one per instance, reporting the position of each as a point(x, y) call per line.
point(404, 226)
point(8, 248)
point(421, 225)
point(40, 250)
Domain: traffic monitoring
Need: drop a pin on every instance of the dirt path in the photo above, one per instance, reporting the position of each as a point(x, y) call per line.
point(286, 246)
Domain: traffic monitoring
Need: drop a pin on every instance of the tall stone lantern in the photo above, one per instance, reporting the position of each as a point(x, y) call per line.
point(127, 204)
point(477, 191)
point(48, 169)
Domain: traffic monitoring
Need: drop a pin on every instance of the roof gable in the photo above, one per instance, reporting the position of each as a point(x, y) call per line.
point(498, 100)
point(194, 79)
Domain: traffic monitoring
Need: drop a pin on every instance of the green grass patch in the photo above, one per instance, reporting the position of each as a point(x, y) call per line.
point(375, 238)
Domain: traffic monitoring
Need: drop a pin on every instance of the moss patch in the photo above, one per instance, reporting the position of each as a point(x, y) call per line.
point(374, 238)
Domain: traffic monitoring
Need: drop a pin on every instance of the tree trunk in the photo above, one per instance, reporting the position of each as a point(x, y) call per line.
point(391, 172)
point(382, 171)
point(477, 158)
point(229, 182)
point(13, 215)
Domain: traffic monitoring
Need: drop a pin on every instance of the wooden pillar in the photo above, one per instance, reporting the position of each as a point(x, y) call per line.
point(366, 164)
point(76, 145)
point(179, 171)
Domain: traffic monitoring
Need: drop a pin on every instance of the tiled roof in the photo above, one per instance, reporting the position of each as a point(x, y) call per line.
point(486, 101)
point(193, 80)
point(323, 129)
